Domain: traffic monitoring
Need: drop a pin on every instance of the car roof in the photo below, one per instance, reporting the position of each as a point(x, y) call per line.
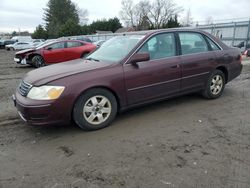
point(150, 32)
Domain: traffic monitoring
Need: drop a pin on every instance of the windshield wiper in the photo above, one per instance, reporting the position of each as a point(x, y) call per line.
point(92, 59)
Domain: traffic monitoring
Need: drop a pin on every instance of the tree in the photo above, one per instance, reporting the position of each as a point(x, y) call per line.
point(142, 10)
point(172, 23)
point(70, 28)
point(114, 24)
point(155, 13)
point(40, 33)
point(188, 20)
point(83, 15)
point(104, 25)
point(128, 12)
point(14, 33)
point(161, 11)
point(57, 13)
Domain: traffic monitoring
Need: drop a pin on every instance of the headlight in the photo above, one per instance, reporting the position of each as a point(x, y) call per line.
point(45, 92)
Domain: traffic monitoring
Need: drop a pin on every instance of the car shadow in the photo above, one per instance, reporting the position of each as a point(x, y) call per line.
point(121, 117)
point(25, 67)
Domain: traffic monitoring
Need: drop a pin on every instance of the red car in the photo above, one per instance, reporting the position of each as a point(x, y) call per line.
point(54, 52)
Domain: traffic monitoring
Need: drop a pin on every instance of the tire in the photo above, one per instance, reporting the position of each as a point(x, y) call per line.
point(84, 55)
point(215, 85)
point(38, 61)
point(95, 109)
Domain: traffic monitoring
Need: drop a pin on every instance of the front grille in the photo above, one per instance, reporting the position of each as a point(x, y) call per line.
point(24, 88)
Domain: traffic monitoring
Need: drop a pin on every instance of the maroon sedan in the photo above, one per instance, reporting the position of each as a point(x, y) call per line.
point(54, 52)
point(127, 71)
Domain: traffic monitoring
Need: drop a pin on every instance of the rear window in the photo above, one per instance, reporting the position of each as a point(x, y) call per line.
point(74, 44)
point(212, 44)
point(192, 43)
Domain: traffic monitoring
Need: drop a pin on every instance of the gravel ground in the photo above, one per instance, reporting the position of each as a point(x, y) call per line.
point(185, 142)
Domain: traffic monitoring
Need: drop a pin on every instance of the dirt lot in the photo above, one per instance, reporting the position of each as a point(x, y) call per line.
point(184, 142)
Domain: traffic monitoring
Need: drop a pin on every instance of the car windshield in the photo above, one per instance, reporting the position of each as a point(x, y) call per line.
point(42, 45)
point(116, 48)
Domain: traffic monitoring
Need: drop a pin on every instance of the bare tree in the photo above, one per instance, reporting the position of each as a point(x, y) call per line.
point(156, 14)
point(187, 20)
point(127, 12)
point(161, 11)
point(82, 14)
point(142, 11)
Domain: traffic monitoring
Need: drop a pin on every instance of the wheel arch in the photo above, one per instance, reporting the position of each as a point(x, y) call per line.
point(99, 87)
point(30, 56)
point(225, 71)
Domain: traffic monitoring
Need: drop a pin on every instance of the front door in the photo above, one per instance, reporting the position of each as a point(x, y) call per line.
point(157, 78)
point(54, 53)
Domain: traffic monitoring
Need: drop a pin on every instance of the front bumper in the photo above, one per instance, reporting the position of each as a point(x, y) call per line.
point(20, 61)
point(41, 112)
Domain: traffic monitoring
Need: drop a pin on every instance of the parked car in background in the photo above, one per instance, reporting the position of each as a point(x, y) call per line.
point(22, 38)
point(38, 41)
point(19, 46)
point(5, 42)
point(54, 52)
point(82, 38)
point(127, 71)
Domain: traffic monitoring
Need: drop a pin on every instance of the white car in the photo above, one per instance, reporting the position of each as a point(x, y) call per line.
point(19, 46)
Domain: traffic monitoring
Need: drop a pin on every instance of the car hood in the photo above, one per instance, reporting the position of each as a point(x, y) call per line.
point(25, 51)
point(50, 73)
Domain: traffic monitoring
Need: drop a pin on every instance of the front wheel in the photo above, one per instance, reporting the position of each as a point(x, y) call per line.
point(84, 55)
point(95, 109)
point(38, 61)
point(215, 85)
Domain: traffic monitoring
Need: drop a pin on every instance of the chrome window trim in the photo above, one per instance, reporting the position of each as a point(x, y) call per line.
point(215, 43)
point(162, 32)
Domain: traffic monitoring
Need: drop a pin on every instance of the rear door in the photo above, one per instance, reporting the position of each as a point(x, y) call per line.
point(157, 78)
point(73, 50)
point(197, 61)
point(54, 53)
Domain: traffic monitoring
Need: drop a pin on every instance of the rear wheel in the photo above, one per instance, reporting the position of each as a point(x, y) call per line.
point(38, 61)
point(95, 109)
point(215, 85)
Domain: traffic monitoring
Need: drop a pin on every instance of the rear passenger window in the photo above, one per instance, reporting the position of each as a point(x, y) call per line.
point(212, 44)
point(192, 43)
point(160, 46)
point(73, 44)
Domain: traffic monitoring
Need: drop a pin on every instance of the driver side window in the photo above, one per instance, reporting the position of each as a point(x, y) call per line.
point(160, 46)
point(57, 45)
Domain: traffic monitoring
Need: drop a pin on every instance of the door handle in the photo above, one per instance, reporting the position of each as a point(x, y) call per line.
point(175, 66)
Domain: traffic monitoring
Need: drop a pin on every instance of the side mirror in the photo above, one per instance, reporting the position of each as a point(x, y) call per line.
point(49, 48)
point(139, 57)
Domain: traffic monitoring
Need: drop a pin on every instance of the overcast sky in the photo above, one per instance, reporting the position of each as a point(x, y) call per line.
point(27, 14)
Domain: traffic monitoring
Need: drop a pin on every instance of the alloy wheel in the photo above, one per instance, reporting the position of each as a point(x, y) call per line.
point(97, 109)
point(216, 84)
